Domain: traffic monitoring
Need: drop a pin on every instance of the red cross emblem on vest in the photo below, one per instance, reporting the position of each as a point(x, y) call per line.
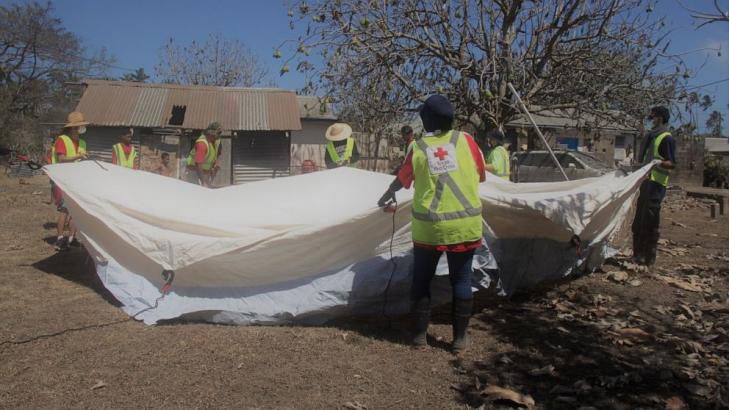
point(440, 153)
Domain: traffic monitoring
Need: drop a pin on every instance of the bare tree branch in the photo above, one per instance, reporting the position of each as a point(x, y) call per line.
point(598, 57)
point(707, 17)
point(217, 61)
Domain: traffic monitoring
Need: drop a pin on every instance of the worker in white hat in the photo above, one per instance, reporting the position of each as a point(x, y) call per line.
point(341, 148)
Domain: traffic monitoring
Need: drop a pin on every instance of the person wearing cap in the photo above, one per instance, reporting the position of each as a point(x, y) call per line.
point(69, 147)
point(123, 153)
point(658, 147)
point(203, 158)
point(498, 161)
point(446, 167)
point(341, 150)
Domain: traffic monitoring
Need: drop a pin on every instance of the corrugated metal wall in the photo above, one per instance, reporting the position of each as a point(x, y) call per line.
point(260, 155)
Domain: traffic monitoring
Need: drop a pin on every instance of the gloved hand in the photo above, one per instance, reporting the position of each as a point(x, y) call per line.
point(386, 197)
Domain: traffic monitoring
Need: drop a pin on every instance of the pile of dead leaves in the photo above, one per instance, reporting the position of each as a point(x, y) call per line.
point(671, 248)
point(696, 332)
point(686, 203)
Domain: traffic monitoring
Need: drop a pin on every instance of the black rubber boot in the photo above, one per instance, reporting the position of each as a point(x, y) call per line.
point(651, 247)
point(638, 250)
point(461, 315)
point(420, 317)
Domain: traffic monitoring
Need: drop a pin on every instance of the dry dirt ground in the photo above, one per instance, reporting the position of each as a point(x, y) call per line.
point(614, 339)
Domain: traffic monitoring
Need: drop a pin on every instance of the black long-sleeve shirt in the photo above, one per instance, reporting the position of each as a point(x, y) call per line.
point(340, 147)
point(667, 149)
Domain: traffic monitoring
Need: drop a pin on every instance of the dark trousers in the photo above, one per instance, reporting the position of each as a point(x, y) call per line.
point(648, 217)
point(459, 272)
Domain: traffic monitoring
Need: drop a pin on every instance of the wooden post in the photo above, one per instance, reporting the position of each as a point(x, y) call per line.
point(713, 211)
point(536, 128)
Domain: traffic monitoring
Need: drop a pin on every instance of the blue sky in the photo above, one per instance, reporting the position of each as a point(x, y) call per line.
point(134, 30)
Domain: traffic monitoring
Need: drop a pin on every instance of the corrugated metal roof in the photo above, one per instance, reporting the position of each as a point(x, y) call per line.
point(148, 109)
point(716, 145)
point(120, 103)
point(569, 118)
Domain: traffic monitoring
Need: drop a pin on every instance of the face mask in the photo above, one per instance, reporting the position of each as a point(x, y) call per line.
point(82, 130)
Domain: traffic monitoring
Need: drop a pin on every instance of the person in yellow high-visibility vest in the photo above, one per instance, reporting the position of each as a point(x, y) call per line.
point(203, 158)
point(659, 147)
point(69, 147)
point(446, 167)
point(498, 161)
point(123, 153)
point(341, 149)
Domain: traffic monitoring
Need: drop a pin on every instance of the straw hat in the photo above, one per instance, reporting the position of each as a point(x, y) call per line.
point(338, 131)
point(75, 119)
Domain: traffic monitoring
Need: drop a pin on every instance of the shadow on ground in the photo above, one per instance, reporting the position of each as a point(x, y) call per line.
point(75, 265)
point(567, 363)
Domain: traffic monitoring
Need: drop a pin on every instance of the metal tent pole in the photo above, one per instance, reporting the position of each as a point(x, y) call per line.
point(536, 127)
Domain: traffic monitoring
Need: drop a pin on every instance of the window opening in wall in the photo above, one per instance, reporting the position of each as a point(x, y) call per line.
point(178, 114)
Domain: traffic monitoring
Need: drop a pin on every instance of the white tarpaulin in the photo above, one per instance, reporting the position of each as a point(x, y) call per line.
point(311, 247)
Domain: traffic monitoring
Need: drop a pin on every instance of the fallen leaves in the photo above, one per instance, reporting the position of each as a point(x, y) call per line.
point(675, 403)
point(677, 251)
point(619, 276)
point(697, 390)
point(633, 332)
point(543, 371)
point(628, 336)
point(679, 283)
point(718, 257)
point(496, 393)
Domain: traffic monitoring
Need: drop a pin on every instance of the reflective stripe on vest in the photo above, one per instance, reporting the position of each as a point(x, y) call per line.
point(499, 158)
point(121, 157)
point(347, 151)
point(446, 206)
point(70, 148)
point(210, 157)
point(658, 174)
